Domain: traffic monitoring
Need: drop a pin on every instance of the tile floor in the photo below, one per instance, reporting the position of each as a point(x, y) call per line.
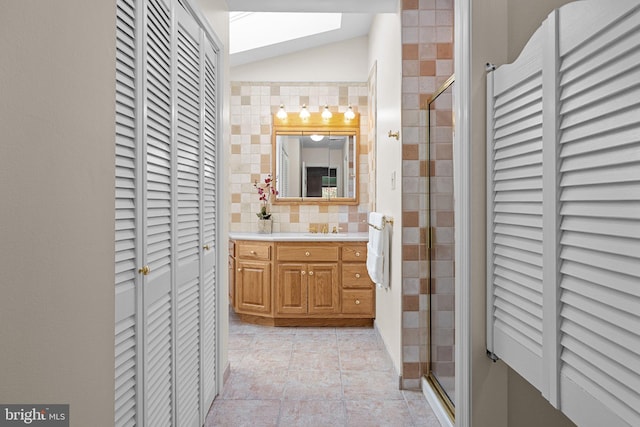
point(283, 376)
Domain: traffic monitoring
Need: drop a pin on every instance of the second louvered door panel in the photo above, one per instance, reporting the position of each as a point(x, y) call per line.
point(188, 214)
point(157, 289)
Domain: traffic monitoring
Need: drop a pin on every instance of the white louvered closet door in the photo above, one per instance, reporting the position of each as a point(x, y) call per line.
point(209, 229)
point(127, 298)
point(572, 328)
point(188, 221)
point(515, 214)
point(599, 206)
point(159, 210)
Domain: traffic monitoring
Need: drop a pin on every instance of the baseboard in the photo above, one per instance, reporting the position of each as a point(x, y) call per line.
point(379, 337)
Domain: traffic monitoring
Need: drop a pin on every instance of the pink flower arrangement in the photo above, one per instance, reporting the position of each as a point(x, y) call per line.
point(265, 191)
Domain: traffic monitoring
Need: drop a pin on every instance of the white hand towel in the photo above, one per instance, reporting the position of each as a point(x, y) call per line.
point(378, 250)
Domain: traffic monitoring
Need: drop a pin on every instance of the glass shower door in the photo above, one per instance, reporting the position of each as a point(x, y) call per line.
point(441, 372)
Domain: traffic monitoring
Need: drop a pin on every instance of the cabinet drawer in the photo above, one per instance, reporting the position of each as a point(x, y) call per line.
point(355, 276)
point(357, 302)
point(307, 253)
point(354, 253)
point(254, 251)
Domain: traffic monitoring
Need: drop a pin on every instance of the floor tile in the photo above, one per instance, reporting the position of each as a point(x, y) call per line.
point(378, 413)
point(243, 413)
point(313, 377)
point(313, 413)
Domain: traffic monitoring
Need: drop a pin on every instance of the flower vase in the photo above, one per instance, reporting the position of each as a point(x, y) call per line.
point(265, 226)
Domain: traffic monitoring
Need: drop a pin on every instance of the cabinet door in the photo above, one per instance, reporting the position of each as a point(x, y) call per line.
point(253, 287)
point(291, 293)
point(324, 292)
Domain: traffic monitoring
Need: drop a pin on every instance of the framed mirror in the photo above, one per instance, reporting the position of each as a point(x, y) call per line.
point(315, 160)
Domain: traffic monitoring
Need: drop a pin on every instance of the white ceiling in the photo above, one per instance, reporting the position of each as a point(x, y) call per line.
point(356, 22)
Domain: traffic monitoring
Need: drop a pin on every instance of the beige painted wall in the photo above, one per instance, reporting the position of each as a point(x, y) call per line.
point(57, 77)
point(385, 48)
point(500, 29)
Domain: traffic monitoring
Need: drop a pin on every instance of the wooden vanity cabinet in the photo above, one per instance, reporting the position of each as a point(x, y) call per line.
point(307, 279)
point(253, 278)
point(358, 293)
point(303, 283)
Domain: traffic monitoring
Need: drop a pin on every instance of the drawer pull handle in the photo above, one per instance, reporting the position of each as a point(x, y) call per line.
point(311, 273)
point(357, 275)
point(357, 302)
point(357, 253)
point(307, 253)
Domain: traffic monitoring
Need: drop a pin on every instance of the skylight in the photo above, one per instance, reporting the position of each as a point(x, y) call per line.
point(251, 30)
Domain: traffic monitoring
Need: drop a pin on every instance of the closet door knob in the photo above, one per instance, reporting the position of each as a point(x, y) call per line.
point(206, 247)
point(144, 270)
point(357, 275)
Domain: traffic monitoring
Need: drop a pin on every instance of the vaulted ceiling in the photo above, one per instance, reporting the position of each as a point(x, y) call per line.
point(355, 21)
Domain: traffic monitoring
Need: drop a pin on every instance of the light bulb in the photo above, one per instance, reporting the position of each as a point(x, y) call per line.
point(282, 114)
point(349, 115)
point(304, 113)
point(326, 114)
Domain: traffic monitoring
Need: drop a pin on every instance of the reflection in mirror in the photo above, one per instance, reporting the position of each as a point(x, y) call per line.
point(314, 163)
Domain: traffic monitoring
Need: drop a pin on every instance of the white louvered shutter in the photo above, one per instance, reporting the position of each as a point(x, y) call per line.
point(515, 214)
point(599, 205)
point(158, 327)
point(126, 295)
point(209, 229)
point(188, 216)
point(590, 301)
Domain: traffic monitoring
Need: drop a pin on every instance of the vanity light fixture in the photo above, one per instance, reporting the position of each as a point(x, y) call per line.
point(282, 114)
point(316, 137)
point(326, 114)
point(304, 113)
point(349, 114)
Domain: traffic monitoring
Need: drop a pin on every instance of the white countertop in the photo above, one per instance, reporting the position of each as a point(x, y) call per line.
point(301, 237)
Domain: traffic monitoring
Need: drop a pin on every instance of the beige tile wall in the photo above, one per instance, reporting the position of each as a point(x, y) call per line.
point(427, 62)
point(252, 106)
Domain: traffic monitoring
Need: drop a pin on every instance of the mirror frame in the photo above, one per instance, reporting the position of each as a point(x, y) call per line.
point(293, 124)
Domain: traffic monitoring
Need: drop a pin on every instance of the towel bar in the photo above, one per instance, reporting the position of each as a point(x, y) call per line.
point(385, 221)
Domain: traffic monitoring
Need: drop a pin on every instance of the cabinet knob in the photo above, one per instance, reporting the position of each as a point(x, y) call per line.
point(357, 302)
point(252, 252)
point(206, 247)
point(311, 273)
point(357, 275)
point(357, 253)
point(144, 270)
point(303, 272)
point(239, 269)
point(307, 253)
